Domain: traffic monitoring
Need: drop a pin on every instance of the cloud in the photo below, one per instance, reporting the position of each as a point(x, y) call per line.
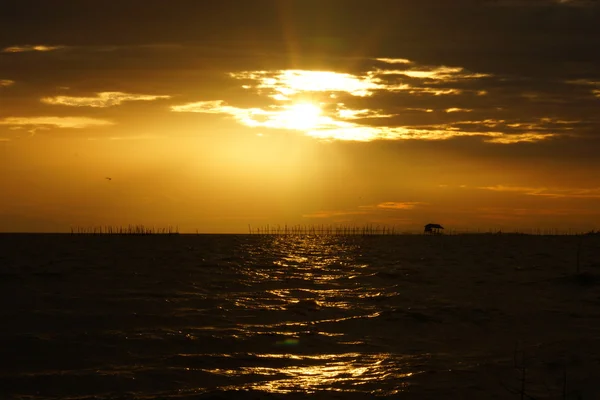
point(440, 73)
point(312, 121)
point(29, 48)
point(594, 86)
point(584, 82)
point(209, 107)
point(301, 116)
point(591, 193)
point(6, 82)
point(502, 138)
point(371, 210)
point(343, 112)
point(395, 205)
point(457, 109)
point(284, 83)
point(427, 110)
point(102, 99)
point(56, 122)
point(507, 131)
point(394, 60)
point(363, 106)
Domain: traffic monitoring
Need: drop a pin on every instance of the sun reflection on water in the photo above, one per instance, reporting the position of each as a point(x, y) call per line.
point(348, 372)
point(303, 310)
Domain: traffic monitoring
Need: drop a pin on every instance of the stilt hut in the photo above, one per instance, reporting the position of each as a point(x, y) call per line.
point(433, 229)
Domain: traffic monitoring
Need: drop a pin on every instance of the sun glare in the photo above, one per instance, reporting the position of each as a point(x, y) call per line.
point(287, 83)
point(301, 116)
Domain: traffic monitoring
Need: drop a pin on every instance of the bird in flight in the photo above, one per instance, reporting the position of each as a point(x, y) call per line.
point(107, 178)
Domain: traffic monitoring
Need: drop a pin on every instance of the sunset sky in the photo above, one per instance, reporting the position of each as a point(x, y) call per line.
point(212, 115)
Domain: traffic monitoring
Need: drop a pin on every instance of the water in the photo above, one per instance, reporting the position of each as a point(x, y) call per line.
point(249, 316)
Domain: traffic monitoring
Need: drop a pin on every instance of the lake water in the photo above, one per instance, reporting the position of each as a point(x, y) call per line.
point(256, 316)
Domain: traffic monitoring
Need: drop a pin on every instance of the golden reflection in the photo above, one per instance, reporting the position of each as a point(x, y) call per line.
point(304, 319)
point(318, 274)
point(347, 372)
point(311, 323)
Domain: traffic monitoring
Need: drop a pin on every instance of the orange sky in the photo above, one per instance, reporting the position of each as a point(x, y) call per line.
point(472, 114)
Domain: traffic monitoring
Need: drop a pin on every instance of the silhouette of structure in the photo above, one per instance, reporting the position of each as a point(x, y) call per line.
point(433, 229)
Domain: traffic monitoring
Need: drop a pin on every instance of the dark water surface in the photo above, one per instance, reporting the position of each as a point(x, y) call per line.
point(240, 316)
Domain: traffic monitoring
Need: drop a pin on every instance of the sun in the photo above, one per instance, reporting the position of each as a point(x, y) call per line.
point(301, 116)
